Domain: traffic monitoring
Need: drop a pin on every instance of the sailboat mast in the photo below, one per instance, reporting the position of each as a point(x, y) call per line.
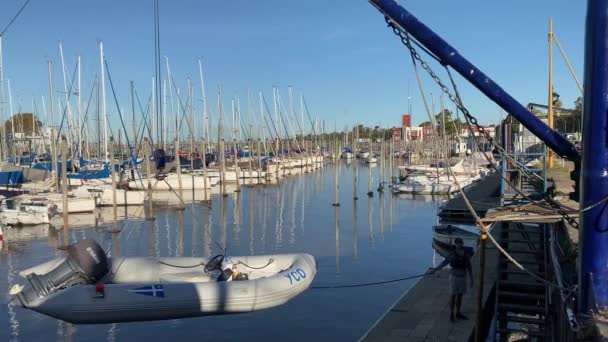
point(53, 146)
point(66, 94)
point(205, 118)
point(79, 111)
point(170, 91)
point(3, 150)
point(103, 102)
point(154, 121)
point(10, 108)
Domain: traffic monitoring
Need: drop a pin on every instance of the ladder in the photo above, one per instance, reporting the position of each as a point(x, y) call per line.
point(521, 300)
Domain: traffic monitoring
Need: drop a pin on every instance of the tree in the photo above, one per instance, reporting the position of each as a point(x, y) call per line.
point(24, 122)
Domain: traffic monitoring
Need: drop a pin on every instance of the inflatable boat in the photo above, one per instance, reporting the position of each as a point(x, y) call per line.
point(88, 287)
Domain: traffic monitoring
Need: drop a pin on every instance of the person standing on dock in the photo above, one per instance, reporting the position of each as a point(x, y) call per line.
point(460, 262)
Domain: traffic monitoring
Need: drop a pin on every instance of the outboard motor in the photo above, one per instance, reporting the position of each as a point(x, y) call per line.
point(86, 263)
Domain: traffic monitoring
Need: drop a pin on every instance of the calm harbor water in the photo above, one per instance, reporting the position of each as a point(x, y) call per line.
point(371, 239)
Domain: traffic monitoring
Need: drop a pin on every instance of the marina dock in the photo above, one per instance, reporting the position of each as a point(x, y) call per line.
point(422, 313)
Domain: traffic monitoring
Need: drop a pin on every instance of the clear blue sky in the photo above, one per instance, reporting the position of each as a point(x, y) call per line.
point(340, 53)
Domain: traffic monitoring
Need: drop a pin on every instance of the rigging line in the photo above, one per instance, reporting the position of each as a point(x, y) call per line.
point(14, 18)
point(485, 231)
point(310, 119)
point(270, 116)
point(594, 205)
point(482, 227)
point(86, 111)
point(478, 143)
point(295, 137)
point(66, 106)
point(369, 284)
point(567, 62)
point(406, 42)
point(131, 150)
point(183, 108)
point(145, 115)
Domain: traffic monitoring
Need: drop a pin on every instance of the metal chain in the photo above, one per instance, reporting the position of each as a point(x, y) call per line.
point(405, 40)
point(560, 210)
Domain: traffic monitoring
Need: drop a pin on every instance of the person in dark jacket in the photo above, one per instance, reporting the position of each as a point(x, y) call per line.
point(460, 263)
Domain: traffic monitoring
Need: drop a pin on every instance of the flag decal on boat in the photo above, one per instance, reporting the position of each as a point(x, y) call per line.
point(150, 290)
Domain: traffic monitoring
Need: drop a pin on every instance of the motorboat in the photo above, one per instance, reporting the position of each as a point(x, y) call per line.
point(88, 287)
point(29, 212)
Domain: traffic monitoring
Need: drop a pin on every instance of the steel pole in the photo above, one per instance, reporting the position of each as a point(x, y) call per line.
point(449, 56)
point(593, 234)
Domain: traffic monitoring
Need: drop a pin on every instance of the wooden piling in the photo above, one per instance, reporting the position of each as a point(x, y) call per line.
point(204, 149)
point(178, 169)
point(237, 169)
point(147, 150)
point(370, 190)
point(222, 168)
point(64, 190)
point(113, 175)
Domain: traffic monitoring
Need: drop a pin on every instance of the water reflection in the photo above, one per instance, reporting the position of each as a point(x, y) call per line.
point(292, 217)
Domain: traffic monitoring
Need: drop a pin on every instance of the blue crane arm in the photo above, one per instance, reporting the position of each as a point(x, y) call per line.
point(449, 56)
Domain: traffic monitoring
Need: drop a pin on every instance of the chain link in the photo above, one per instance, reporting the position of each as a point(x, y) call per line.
point(405, 40)
point(473, 120)
point(560, 210)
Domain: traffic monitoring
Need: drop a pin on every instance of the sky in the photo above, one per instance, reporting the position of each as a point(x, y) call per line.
point(350, 67)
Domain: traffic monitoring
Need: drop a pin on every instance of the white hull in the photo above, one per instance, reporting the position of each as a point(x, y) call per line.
point(171, 181)
point(103, 196)
point(142, 289)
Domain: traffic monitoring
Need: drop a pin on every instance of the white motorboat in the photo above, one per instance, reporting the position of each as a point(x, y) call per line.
point(75, 204)
point(88, 287)
point(29, 212)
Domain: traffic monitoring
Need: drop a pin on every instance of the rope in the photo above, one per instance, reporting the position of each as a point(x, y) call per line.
point(481, 225)
point(256, 268)
point(14, 18)
point(369, 284)
point(180, 266)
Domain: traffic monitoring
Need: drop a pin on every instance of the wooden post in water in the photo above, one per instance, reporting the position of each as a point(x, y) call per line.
point(391, 161)
point(336, 187)
point(178, 169)
point(355, 167)
point(113, 175)
point(250, 156)
point(370, 190)
point(204, 149)
point(222, 168)
point(259, 154)
point(147, 149)
point(237, 170)
point(381, 181)
point(64, 190)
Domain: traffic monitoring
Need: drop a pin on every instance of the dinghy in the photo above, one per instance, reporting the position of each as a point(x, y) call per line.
point(88, 287)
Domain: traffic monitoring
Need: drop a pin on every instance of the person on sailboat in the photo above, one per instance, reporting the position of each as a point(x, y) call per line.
point(460, 263)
